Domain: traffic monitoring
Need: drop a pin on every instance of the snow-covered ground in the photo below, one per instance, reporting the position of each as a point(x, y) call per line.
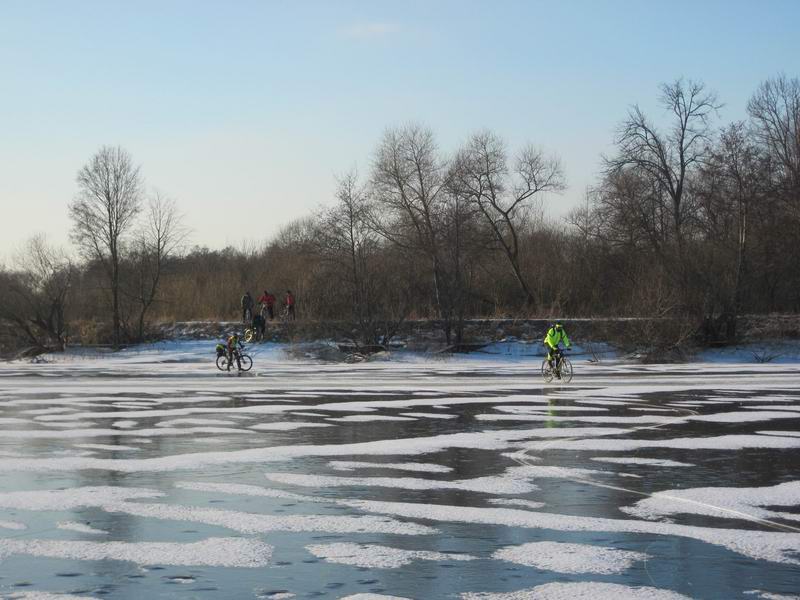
point(150, 473)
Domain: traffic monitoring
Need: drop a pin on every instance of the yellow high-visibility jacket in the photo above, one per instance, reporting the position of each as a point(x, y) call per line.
point(555, 336)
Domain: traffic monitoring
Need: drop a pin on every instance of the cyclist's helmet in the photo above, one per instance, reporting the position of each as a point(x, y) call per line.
point(558, 325)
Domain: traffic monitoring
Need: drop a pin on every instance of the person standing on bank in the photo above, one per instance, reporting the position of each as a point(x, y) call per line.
point(267, 301)
point(247, 308)
point(289, 302)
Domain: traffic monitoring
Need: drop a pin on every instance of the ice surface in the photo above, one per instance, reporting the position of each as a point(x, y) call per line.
point(763, 545)
point(205, 441)
point(487, 440)
point(79, 527)
point(570, 558)
point(371, 556)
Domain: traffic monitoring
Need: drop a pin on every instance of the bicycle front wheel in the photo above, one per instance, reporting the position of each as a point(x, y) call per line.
point(566, 370)
point(547, 371)
point(247, 362)
point(222, 363)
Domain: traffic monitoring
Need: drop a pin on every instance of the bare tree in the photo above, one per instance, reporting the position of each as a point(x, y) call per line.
point(409, 181)
point(109, 198)
point(346, 240)
point(669, 158)
point(734, 183)
point(504, 195)
point(775, 110)
point(35, 298)
point(160, 238)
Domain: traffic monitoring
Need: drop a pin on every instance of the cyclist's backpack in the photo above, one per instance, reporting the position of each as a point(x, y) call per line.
point(220, 350)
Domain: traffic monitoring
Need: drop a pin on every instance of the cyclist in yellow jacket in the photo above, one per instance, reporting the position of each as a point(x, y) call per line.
point(555, 335)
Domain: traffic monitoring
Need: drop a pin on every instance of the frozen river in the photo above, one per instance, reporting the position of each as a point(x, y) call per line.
point(150, 474)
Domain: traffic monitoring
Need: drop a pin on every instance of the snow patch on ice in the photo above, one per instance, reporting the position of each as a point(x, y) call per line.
point(427, 415)
point(570, 558)
point(73, 498)
point(212, 552)
point(724, 502)
point(722, 442)
point(488, 485)
point(516, 502)
point(373, 597)
point(287, 425)
point(654, 462)
point(368, 418)
point(174, 422)
point(351, 465)
point(105, 447)
point(36, 595)
point(589, 590)
point(243, 489)
point(745, 416)
point(371, 556)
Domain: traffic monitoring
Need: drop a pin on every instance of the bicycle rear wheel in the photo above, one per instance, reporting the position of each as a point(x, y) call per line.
point(247, 362)
point(547, 371)
point(222, 363)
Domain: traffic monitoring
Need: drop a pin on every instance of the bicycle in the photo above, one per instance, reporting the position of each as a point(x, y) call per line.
point(245, 363)
point(562, 369)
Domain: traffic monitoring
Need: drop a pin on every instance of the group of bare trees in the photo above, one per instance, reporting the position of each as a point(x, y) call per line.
point(441, 220)
point(123, 234)
point(691, 219)
point(705, 215)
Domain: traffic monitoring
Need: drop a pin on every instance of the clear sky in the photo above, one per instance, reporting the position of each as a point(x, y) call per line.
point(244, 112)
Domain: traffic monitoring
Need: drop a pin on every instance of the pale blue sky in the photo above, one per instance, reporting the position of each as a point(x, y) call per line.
point(245, 111)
